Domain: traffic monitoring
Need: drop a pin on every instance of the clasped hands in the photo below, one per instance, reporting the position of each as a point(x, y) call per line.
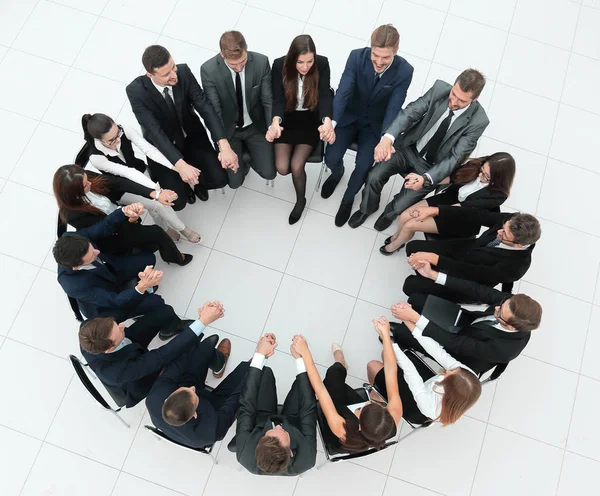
point(267, 344)
point(211, 311)
point(133, 211)
point(149, 278)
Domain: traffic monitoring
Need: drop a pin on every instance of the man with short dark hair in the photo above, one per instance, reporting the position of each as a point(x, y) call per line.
point(426, 141)
point(370, 95)
point(105, 285)
point(119, 355)
point(238, 84)
point(163, 101)
point(483, 339)
point(268, 443)
point(502, 254)
point(181, 407)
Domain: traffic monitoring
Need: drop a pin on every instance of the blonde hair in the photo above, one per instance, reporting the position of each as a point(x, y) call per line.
point(462, 389)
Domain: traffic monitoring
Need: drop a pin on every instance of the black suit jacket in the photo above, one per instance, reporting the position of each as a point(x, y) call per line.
point(302, 430)
point(220, 90)
point(152, 113)
point(131, 371)
point(480, 346)
point(470, 258)
point(100, 291)
point(325, 104)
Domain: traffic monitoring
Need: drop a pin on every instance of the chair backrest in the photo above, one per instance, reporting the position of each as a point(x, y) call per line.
point(206, 450)
point(87, 383)
point(83, 155)
point(497, 371)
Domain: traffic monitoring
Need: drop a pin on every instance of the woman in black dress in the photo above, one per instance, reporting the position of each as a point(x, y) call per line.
point(482, 183)
point(302, 110)
point(85, 197)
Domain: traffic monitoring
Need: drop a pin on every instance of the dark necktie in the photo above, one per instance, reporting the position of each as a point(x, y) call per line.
point(240, 100)
point(376, 80)
point(493, 244)
point(433, 145)
point(178, 133)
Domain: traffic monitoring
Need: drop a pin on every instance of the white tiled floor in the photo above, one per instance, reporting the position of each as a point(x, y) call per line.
point(535, 432)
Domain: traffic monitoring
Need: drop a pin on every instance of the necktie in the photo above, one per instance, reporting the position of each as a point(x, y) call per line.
point(489, 319)
point(240, 100)
point(178, 133)
point(493, 244)
point(433, 145)
point(376, 80)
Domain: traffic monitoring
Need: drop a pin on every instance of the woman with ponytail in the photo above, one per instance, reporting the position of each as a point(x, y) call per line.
point(354, 424)
point(111, 152)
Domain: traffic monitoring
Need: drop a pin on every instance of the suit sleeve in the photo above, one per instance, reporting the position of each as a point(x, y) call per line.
point(398, 96)
point(503, 271)
point(266, 92)
point(413, 112)
point(246, 418)
point(475, 215)
point(325, 94)
point(486, 201)
point(103, 298)
point(346, 87)
point(308, 422)
point(106, 227)
point(202, 104)
point(476, 292)
point(210, 88)
point(150, 125)
point(122, 185)
point(278, 92)
point(461, 150)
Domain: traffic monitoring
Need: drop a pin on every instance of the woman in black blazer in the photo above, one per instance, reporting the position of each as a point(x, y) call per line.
point(302, 110)
point(85, 197)
point(482, 183)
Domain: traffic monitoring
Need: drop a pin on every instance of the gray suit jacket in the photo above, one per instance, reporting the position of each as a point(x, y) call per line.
point(220, 90)
point(413, 122)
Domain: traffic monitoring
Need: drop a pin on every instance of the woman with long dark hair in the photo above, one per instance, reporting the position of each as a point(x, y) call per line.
point(302, 110)
point(483, 183)
point(355, 425)
point(85, 197)
point(111, 152)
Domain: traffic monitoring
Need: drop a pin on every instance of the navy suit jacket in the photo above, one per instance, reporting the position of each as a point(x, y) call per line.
point(100, 291)
point(130, 372)
point(358, 98)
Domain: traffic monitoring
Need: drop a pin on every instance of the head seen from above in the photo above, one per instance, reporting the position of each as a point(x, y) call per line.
point(520, 230)
point(273, 452)
point(462, 389)
point(101, 335)
point(180, 407)
point(466, 89)
point(103, 128)
point(73, 252)
point(375, 427)
point(160, 66)
point(385, 41)
point(519, 313)
point(234, 50)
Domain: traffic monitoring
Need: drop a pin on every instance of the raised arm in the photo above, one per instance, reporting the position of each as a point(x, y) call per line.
point(390, 369)
point(104, 228)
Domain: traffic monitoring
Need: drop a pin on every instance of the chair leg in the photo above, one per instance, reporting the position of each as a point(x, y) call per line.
point(121, 419)
point(322, 171)
point(223, 190)
point(321, 465)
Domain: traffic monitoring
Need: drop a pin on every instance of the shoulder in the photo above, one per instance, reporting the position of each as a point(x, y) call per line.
point(278, 62)
point(211, 63)
point(479, 114)
point(402, 65)
point(258, 58)
point(358, 53)
point(137, 84)
point(441, 86)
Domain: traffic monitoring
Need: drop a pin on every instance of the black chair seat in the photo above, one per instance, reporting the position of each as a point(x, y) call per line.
point(353, 146)
point(206, 450)
point(317, 154)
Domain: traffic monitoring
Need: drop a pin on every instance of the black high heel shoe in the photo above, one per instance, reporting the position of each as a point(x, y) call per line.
point(187, 258)
point(296, 212)
point(383, 251)
point(387, 241)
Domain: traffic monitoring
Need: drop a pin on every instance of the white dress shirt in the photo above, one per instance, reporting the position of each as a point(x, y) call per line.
point(161, 90)
point(247, 118)
point(428, 395)
point(104, 165)
point(259, 360)
point(300, 104)
point(101, 203)
point(470, 188)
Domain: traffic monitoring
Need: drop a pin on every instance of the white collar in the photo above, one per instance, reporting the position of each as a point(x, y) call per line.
point(459, 112)
point(384, 71)
point(514, 248)
point(162, 88)
point(107, 151)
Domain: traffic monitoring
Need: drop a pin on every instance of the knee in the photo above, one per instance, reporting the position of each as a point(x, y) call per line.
point(412, 247)
point(373, 368)
point(409, 285)
point(180, 203)
point(411, 225)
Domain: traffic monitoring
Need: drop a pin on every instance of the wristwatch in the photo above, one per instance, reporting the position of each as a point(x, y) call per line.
point(426, 181)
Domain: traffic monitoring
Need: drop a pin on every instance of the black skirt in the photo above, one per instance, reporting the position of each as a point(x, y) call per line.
point(300, 127)
point(445, 223)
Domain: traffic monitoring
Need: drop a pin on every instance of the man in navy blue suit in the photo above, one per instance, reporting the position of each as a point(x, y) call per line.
point(105, 285)
point(370, 95)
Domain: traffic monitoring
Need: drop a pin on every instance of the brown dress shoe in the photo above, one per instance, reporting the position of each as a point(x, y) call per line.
point(225, 348)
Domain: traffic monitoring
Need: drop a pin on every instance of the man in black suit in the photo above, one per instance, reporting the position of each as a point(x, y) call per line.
point(181, 407)
point(119, 355)
point(267, 443)
point(502, 254)
point(238, 84)
point(483, 339)
point(106, 285)
point(163, 101)
point(425, 143)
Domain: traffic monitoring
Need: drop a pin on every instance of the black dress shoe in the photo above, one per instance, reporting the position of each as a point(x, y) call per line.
point(329, 186)
point(357, 219)
point(343, 214)
point(383, 223)
point(383, 251)
point(187, 258)
point(297, 212)
point(201, 192)
point(175, 328)
point(191, 197)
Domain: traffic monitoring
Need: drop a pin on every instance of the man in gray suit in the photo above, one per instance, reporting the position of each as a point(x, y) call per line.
point(238, 84)
point(425, 143)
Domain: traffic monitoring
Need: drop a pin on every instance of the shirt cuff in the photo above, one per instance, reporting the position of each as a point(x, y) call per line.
point(430, 180)
point(333, 123)
point(389, 136)
point(421, 324)
point(441, 278)
point(258, 361)
point(300, 367)
point(149, 290)
point(198, 327)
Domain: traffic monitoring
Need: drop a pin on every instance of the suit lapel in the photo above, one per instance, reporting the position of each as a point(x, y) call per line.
point(440, 109)
point(386, 78)
point(156, 97)
point(461, 121)
point(249, 79)
point(225, 75)
point(178, 100)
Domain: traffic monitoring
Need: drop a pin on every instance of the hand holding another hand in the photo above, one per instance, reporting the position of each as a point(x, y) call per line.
point(266, 345)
